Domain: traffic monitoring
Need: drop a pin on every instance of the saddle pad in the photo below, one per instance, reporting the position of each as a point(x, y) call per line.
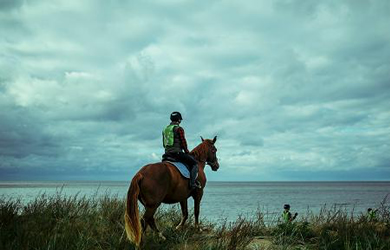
point(182, 168)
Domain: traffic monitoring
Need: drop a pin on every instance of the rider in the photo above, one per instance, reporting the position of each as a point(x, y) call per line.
point(372, 214)
point(175, 143)
point(287, 217)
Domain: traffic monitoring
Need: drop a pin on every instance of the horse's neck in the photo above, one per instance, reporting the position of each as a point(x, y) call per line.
point(201, 165)
point(200, 155)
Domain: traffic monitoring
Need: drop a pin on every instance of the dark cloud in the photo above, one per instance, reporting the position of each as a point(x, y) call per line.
point(7, 5)
point(22, 134)
point(292, 87)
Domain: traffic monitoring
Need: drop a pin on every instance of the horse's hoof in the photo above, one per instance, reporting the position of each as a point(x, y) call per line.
point(162, 237)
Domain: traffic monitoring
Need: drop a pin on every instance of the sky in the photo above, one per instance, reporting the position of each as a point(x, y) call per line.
point(295, 90)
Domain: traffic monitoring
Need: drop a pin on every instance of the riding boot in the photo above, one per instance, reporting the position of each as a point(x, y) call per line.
point(193, 182)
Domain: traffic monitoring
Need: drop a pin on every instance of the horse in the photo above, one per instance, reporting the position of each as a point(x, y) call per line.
point(160, 183)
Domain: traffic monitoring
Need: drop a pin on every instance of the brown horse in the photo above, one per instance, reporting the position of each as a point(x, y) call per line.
point(162, 183)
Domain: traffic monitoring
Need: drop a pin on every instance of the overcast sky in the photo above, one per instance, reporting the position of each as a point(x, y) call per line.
point(295, 90)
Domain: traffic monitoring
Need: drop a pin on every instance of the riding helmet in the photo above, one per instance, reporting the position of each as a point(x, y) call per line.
point(176, 116)
point(286, 206)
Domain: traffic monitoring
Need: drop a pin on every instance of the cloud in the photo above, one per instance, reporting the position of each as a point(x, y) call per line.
point(289, 88)
point(8, 5)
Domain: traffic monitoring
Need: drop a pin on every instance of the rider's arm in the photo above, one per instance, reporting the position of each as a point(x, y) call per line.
point(295, 216)
point(183, 142)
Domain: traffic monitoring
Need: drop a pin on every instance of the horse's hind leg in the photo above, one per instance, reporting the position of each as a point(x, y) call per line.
point(149, 219)
point(184, 211)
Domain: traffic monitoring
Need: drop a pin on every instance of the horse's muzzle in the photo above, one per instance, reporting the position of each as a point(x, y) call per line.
point(214, 166)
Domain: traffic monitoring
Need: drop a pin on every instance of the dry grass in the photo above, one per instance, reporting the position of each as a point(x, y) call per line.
point(60, 222)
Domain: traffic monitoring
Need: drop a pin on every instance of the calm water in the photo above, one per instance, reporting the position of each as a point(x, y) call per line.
point(231, 199)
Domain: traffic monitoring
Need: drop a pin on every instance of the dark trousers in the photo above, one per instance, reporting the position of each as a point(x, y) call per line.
point(186, 159)
point(189, 161)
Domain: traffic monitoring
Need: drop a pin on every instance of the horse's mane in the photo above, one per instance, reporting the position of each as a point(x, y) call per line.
point(200, 151)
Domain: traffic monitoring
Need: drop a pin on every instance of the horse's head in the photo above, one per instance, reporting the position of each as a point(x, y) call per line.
point(211, 151)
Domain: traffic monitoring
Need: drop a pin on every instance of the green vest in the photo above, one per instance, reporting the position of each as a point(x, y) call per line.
point(286, 216)
point(168, 135)
point(371, 215)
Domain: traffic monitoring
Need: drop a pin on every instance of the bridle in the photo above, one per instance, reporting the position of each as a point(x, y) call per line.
point(214, 165)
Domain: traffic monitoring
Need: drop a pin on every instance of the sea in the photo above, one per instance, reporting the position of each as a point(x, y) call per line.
point(227, 201)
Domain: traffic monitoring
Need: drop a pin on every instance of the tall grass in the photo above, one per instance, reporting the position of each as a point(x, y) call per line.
point(335, 228)
point(60, 222)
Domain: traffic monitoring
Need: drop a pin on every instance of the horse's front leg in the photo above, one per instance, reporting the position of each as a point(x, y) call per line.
point(197, 199)
point(184, 211)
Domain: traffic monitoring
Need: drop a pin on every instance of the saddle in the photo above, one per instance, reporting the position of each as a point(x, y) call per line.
point(173, 159)
point(183, 168)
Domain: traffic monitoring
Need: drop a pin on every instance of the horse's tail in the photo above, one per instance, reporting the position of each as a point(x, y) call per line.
point(132, 222)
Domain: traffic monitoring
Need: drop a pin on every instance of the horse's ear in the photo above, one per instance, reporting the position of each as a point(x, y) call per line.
point(215, 139)
point(202, 138)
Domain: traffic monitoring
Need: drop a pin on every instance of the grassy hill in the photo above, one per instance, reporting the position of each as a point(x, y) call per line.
point(60, 222)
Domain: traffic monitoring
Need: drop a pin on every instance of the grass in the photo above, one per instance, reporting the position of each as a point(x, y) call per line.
point(59, 222)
